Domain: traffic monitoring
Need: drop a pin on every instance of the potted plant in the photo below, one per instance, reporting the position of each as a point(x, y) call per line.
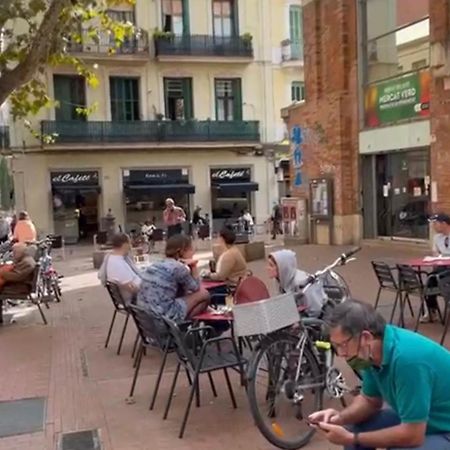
point(247, 39)
point(158, 34)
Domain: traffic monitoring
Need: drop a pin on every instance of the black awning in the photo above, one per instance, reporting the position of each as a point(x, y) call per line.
point(161, 188)
point(76, 187)
point(233, 188)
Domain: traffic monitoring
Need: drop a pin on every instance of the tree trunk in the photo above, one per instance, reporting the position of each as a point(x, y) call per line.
point(14, 78)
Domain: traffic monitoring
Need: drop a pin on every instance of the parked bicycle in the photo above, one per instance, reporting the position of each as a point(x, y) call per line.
point(292, 369)
point(49, 284)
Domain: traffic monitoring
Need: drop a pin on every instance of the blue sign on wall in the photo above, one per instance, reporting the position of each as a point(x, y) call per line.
point(297, 154)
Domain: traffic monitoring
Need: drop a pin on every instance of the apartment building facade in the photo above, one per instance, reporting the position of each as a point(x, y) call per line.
point(186, 108)
point(378, 82)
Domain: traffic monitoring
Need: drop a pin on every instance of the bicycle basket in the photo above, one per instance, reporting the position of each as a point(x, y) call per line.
point(265, 316)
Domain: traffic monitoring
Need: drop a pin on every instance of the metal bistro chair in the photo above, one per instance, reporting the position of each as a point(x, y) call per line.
point(200, 355)
point(411, 283)
point(444, 287)
point(34, 296)
point(386, 282)
point(120, 307)
point(153, 334)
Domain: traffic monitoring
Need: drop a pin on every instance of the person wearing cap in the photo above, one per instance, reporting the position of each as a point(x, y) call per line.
point(174, 216)
point(441, 247)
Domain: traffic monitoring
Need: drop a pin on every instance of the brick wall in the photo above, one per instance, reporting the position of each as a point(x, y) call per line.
point(330, 113)
point(440, 109)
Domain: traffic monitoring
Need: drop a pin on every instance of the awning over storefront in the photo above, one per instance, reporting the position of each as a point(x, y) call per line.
point(79, 187)
point(233, 188)
point(161, 188)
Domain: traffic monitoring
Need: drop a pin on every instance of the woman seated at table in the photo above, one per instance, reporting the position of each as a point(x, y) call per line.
point(231, 264)
point(171, 287)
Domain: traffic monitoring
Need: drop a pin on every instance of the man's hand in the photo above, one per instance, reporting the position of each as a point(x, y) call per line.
point(327, 415)
point(336, 434)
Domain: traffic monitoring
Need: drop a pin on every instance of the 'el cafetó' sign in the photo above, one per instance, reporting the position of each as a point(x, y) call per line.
point(230, 175)
point(74, 178)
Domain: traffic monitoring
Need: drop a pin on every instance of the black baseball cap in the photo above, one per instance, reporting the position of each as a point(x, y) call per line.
point(440, 217)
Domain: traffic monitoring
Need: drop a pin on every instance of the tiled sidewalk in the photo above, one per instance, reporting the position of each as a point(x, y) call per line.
point(86, 385)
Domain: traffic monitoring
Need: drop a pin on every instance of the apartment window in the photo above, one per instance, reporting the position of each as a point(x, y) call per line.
point(228, 99)
point(175, 17)
point(398, 33)
point(70, 92)
point(122, 16)
point(296, 31)
point(297, 91)
point(124, 93)
point(417, 65)
point(224, 18)
point(178, 98)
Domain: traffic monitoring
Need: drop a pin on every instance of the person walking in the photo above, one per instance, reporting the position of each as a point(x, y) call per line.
point(405, 400)
point(24, 231)
point(174, 217)
point(277, 218)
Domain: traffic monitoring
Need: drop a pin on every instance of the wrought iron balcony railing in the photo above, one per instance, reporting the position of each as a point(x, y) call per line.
point(151, 131)
point(204, 45)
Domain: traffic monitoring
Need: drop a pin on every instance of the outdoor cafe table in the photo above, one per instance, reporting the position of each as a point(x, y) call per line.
point(429, 262)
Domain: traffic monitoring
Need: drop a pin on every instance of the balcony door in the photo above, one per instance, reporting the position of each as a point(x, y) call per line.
point(178, 98)
point(228, 99)
point(70, 93)
point(296, 31)
point(124, 95)
point(225, 21)
point(175, 17)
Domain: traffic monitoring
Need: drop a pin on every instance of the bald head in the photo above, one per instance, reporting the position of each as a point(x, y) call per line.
point(19, 251)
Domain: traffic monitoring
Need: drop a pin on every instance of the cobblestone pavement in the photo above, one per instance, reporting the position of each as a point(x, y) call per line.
point(86, 385)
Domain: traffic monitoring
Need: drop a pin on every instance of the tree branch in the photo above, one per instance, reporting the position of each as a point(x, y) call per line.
point(39, 51)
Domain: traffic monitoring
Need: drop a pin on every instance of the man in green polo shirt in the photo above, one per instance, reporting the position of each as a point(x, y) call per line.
point(405, 398)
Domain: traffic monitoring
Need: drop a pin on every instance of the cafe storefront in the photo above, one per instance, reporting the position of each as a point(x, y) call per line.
point(75, 203)
point(232, 192)
point(146, 190)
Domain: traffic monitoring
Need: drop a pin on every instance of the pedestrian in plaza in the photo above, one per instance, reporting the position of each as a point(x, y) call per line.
point(174, 217)
point(405, 400)
point(120, 269)
point(441, 247)
point(277, 218)
point(24, 231)
point(5, 229)
point(171, 287)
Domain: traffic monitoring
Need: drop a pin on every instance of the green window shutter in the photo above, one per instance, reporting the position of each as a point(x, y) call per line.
point(237, 94)
point(296, 30)
point(187, 96)
point(234, 8)
point(69, 91)
point(186, 18)
point(124, 98)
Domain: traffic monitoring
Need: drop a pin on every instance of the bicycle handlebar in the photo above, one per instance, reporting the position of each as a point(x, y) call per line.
point(342, 260)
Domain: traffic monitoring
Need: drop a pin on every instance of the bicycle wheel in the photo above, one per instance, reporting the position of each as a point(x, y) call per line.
point(277, 404)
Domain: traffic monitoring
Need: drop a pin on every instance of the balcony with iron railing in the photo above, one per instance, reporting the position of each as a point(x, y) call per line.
point(292, 52)
point(4, 137)
point(203, 46)
point(103, 45)
point(97, 132)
